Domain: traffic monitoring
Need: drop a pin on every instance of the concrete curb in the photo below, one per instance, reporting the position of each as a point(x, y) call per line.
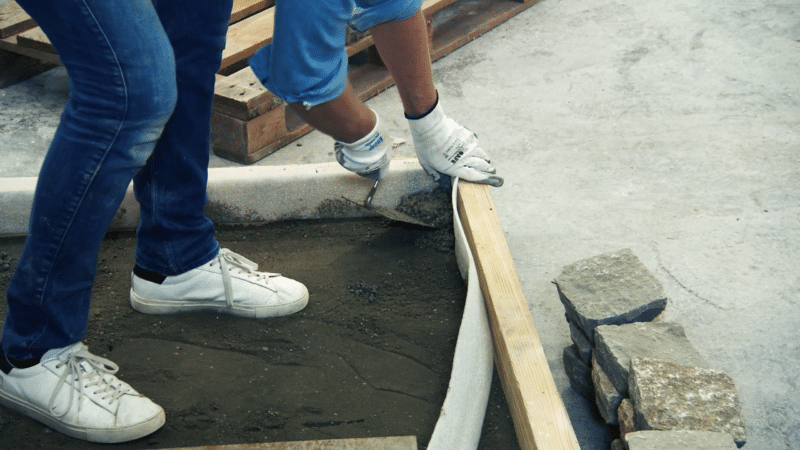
point(254, 194)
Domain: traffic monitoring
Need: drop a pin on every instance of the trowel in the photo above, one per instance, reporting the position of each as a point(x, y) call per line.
point(389, 213)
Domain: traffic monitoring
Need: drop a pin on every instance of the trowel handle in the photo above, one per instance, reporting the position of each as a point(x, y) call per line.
point(368, 201)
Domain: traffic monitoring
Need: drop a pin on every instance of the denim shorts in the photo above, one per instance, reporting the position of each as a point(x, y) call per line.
point(306, 62)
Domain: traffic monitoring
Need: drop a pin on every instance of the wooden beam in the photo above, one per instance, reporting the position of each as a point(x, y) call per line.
point(241, 95)
point(35, 39)
point(540, 417)
point(246, 37)
point(379, 443)
point(13, 19)
point(246, 8)
point(10, 44)
point(15, 68)
point(472, 22)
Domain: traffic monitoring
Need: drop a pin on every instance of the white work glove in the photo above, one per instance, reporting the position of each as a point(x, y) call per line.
point(368, 156)
point(443, 146)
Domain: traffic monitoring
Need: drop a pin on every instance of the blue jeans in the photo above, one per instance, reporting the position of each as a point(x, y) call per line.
point(142, 85)
point(306, 62)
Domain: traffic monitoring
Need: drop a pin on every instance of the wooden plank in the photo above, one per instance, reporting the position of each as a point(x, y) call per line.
point(15, 68)
point(241, 95)
point(369, 80)
point(360, 45)
point(247, 136)
point(540, 417)
point(378, 443)
point(35, 39)
point(246, 8)
point(472, 22)
point(431, 6)
point(13, 19)
point(10, 44)
point(240, 156)
point(246, 37)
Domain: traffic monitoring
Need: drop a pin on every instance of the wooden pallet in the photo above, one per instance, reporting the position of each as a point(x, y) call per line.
point(248, 122)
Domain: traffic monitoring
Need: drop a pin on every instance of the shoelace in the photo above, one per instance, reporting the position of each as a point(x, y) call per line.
point(86, 379)
point(229, 261)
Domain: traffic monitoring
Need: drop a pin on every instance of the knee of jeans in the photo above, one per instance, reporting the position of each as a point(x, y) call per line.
point(150, 106)
point(152, 101)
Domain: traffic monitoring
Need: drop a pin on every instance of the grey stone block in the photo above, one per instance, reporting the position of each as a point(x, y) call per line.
point(625, 417)
point(617, 444)
point(578, 372)
point(606, 395)
point(670, 397)
point(616, 345)
point(610, 289)
point(679, 440)
point(582, 343)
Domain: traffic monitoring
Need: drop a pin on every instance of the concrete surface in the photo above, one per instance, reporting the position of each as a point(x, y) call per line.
point(671, 128)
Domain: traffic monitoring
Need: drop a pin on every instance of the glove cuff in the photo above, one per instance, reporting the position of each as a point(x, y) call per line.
point(366, 156)
point(432, 120)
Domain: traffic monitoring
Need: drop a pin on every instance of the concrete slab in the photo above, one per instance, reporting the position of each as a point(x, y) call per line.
point(671, 128)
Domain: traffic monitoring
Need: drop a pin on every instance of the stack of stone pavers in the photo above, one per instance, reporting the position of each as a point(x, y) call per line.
point(643, 374)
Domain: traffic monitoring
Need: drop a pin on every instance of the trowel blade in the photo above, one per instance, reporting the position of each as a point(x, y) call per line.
point(396, 215)
point(391, 214)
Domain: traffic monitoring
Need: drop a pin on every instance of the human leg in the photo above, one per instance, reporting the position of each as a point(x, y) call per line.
point(122, 92)
point(174, 234)
point(179, 265)
point(121, 71)
point(403, 46)
point(327, 117)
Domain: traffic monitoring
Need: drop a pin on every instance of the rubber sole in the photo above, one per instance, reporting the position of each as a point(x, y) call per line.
point(152, 306)
point(99, 435)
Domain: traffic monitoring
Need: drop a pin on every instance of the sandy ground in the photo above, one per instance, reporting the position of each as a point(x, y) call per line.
point(370, 356)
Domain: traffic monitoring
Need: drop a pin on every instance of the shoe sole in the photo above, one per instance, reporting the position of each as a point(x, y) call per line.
point(99, 435)
point(151, 306)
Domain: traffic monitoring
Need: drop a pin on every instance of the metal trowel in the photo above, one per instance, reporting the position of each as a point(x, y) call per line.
point(389, 213)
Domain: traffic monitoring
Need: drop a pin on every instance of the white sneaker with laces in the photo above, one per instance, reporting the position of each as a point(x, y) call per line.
point(76, 393)
point(229, 283)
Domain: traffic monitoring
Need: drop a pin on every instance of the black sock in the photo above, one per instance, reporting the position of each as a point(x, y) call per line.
point(148, 275)
point(6, 363)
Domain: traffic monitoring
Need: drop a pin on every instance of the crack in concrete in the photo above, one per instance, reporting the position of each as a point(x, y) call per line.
point(380, 389)
point(690, 290)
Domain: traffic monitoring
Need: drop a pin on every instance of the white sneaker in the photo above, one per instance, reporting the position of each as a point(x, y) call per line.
point(76, 393)
point(229, 283)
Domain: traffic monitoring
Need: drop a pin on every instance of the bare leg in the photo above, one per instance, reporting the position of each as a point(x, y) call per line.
point(346, 118)
point(403, 46)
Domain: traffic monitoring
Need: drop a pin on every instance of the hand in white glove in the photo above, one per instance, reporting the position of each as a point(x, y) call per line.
point(368, 156)
point(443, 146)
